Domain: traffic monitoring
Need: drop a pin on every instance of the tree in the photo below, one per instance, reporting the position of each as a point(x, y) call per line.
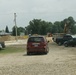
point(58, 27)
point(69, 23)
point(49, 27)
point(43, 27)
point(14, 31)
point(6, 29)
point(34, 25)
point(37, 26)
point(20, 30)
point(72, 24)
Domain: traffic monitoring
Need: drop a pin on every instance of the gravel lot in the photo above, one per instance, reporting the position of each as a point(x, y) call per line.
point(59, 61)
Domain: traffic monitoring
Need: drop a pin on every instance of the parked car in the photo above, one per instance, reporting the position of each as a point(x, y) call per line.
point(71, 42)
point(2, 45)
point(37, 44)
point(61, 40)
point(57, 35)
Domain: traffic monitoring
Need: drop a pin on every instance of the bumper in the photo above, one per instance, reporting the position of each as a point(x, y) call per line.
point(36, 50)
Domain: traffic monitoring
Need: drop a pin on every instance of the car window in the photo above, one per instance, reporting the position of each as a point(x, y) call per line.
point(74, 39)
point(36, 39)
point(71, 40)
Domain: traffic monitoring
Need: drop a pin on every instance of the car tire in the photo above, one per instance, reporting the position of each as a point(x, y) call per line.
point(46, 52)
point(28, 53)
point(66, 45)
point(73, 45)
point(59, 43)
point(0, 46)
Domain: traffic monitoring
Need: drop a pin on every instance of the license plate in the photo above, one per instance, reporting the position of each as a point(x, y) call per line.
point(36, 45)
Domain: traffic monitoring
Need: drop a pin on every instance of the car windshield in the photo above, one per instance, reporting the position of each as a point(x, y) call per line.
point(36, 39)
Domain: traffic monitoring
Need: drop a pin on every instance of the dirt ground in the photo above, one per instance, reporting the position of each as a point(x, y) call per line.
point(59, 61)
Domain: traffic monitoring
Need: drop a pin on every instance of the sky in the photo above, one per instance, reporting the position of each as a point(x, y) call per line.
point(27, 10)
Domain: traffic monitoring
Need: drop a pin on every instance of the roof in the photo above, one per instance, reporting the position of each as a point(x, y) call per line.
point(4, 33)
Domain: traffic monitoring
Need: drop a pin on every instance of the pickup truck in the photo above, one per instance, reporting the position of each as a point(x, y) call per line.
point(71, 42)
point(61, 40)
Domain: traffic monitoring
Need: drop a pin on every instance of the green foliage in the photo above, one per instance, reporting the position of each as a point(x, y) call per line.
point(12, 49)
point(14, 31)
point(34, 25)
point(19, 30)
point(57, 27)
point(73, 29)
point(70, 24)
point(42, 27)
point(38, 26)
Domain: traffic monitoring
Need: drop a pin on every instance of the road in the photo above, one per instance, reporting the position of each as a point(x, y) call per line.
point(59, 61)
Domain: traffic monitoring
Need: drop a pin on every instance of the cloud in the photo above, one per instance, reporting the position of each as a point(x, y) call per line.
point(50, 10)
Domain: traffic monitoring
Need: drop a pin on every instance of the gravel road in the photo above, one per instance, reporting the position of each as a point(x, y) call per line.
point(59, 61)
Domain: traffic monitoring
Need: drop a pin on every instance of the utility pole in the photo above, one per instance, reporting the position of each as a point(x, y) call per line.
point(15, 25)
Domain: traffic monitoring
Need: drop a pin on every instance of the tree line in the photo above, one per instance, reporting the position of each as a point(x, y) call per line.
point(38, 26)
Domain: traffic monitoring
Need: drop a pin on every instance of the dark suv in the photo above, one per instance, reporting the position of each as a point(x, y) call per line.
point(37, 44)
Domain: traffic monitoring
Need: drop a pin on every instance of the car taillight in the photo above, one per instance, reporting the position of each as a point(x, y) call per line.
point(43, 43)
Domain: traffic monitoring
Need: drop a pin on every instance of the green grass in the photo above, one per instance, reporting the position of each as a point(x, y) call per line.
point(13, 49)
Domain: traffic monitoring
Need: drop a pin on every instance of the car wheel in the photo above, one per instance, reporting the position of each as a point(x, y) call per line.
point(46, 52)
point(28, 53)
point(3, 44)
point(73, 45)
point(0, 46)
point(59, 43)
point(66, 45)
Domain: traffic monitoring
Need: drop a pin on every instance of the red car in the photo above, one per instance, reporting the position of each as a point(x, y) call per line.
point(37, 44)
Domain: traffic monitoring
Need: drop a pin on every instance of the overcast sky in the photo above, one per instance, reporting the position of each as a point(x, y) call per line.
point(27, 10)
